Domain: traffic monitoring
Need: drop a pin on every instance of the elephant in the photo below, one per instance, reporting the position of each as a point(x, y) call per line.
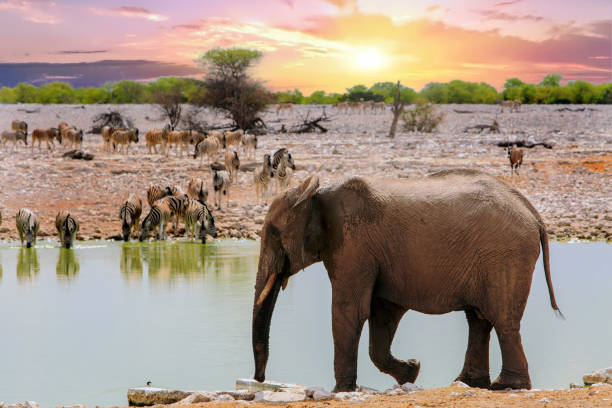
point(455, 240)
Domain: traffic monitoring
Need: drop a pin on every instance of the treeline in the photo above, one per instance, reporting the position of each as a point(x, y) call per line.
point(547, 91)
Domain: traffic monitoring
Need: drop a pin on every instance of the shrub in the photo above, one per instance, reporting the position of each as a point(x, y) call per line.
point(423, 117)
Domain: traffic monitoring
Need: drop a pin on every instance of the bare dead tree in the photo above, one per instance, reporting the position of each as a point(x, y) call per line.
point(169, 103)
point(397, 109)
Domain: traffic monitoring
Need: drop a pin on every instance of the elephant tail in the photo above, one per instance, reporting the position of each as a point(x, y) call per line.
point(545, 259)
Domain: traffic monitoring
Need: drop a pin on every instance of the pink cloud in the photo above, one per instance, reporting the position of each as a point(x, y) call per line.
point(507, 3)
point(130, 11)
point(508, 17)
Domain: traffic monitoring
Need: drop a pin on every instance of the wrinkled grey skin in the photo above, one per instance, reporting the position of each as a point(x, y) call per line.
point(455, 240)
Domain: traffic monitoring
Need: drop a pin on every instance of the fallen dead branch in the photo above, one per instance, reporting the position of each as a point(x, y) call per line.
point(524, 143)
point(114, 119)
point(78, 155)
point(492, 128)
point(575, 109)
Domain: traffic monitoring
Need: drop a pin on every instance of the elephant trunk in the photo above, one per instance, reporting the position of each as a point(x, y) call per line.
point(266, 292)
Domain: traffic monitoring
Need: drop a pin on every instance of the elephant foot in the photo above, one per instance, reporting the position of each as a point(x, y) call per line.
point(511, 380)
point(407, 372)
point(345, 385)
point(474, 381)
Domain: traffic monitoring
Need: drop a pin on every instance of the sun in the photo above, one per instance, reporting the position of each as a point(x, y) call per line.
point(370, 59)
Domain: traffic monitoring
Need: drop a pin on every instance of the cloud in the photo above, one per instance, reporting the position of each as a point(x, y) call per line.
point(130, 11)
point(352, 4)
point(33, 11)
point(92, 73)
point(71, 52)
point(507, 3)
point(433, 7)
point(508, 17)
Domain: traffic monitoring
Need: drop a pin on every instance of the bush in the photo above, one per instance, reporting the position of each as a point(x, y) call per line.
point(423, 117)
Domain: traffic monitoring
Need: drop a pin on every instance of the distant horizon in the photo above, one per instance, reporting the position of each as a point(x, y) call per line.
point(318, 44)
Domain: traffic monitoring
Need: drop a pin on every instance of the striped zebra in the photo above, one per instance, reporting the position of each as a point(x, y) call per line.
point(14, 138)
point(129, 213)
point(232, 138)
point(209, 147)
point(198, 219)
point(122, 138)
point(197, 190)
point(282, 154)
point(19, 126)
point(221, 185)
point(67, 227)
point(232, 164)
point(262, 179)
point(283, 174)
point(27, 226)
point(249, 142)
point(156, 192)
point(153, 138)
point(158, 217)
point(175, 204)
point(177, 191)
point(47, 136)
point(106, 133)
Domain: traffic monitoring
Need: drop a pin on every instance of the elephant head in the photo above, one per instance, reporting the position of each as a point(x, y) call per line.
point(291, 240)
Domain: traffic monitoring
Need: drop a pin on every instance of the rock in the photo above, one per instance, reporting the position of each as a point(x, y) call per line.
point(395, 391)
point(225, 397)
point(321, 395)
point(460, 384)
point(239, 395)
point(544, 400)
point(601, 384)
point(410, 387)
point(31, 404)
point(197, 397)
point(575, 385)
point(368, 390)
point(255, 386)
point(146, 396)
point(468, 393)
point(281, 396)
point(603, 375)
point(309, 392)
point(344, 396)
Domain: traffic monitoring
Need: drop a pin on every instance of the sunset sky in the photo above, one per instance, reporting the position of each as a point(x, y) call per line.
point(324, 44)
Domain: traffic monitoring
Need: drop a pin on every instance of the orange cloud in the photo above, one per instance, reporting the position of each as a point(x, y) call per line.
point(32, 11)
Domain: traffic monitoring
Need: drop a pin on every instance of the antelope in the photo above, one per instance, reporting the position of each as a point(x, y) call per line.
point(515, 155)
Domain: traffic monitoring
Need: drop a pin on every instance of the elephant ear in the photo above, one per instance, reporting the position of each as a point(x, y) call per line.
point(307, 189)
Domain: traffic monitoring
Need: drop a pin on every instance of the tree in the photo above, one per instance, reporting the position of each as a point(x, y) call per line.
point(551, 80)
point(25, 93)
point(169, 103)
point(397, 109)
point(229, 89)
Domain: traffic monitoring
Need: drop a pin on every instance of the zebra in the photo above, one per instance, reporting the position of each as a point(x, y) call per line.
point(515, 155)
point(197, 190)
point(27, 226)
point(177, 191)
point(262, 178)
point(46, 135)
point(232, 138)
point(199, 220)
point(19, 126)
point(123, 138)
point(209, 147)
point(283, 174)
point(67, 227)
point(175, 204)
point(232, 164)
point(157, 217)
point(72, 137)
point(280, 155)
point(249, 142)
point(153, 138)
point(129, 213)
point(156, 192)
point(221, 185)
point(106, 133)
point(14, 137)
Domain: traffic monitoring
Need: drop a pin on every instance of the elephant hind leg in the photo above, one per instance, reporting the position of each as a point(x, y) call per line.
point(515, 371)
point(384, 319)
point(475, 371)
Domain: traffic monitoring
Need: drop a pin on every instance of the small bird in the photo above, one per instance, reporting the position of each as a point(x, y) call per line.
point(148, 383)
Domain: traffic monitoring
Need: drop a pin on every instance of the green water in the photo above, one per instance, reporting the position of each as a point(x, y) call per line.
point(83, 325)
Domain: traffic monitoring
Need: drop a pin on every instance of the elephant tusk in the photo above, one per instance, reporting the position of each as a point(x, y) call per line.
point(285, 282)
point(266, 290)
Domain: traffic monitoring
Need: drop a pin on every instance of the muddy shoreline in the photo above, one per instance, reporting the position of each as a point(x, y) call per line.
point(571, 184)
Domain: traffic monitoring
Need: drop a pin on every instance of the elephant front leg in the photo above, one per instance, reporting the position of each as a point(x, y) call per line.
point(384, 318)
point(346, 328)
point(475, 371)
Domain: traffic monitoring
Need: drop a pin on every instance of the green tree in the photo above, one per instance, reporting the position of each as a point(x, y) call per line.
point(57, 93)
point(551, 80)
point(229, 89)
point(25, 93)
point(128, 92)
point(435, 92)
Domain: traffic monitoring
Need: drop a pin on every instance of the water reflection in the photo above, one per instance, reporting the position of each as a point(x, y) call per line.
point(28, 266)
point(67, 267)
point(131, 262)
point(183, 260)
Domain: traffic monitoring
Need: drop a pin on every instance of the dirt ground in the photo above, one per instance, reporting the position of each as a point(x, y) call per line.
point(458, 397)
point(571, 184)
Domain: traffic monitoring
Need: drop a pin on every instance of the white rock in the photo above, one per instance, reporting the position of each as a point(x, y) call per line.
point(603, 375)
point(31, 404)
point(575, 386)
point(321, 395)
point(410, 387)
point(197, 397)
point(153, 396)
point(343, 396)
point(225, 397)
point(368, 390)
point(255, 386)
point(544, 400)
point(460, 384)
point(282, 396)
